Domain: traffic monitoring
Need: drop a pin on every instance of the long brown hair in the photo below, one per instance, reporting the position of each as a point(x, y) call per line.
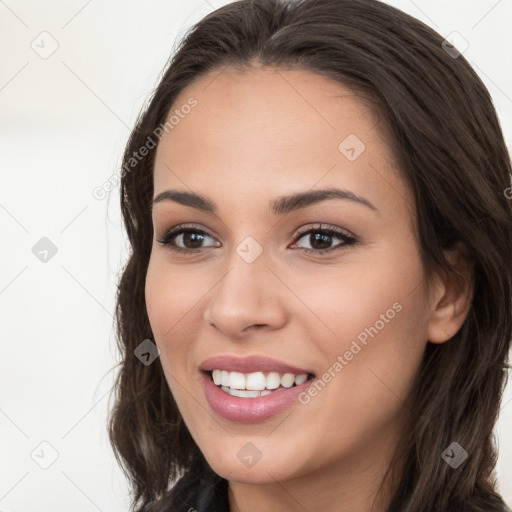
point(440, 119)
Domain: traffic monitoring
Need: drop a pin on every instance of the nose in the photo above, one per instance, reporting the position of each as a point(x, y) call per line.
point(245, 299)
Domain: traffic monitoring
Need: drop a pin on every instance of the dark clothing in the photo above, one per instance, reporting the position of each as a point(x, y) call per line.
point(202, 494)
point(195, 491)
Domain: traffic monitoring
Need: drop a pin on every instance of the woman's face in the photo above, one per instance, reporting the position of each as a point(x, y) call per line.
point(348, 306)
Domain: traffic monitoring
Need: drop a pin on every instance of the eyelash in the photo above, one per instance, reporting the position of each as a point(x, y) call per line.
point(328, 230)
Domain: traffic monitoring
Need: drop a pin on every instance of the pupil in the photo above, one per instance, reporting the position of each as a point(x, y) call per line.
point(319, 237)
point(192, 238)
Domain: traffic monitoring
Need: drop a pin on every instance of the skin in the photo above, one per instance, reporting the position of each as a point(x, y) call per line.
point(252, 137)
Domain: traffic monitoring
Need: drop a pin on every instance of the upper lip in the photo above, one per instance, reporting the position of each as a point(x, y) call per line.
point(250, 364)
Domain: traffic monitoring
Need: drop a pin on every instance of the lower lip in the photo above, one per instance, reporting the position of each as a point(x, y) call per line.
point(250, 410)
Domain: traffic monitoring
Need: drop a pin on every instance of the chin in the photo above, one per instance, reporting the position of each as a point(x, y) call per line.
point(236, 465)
point(259, 474)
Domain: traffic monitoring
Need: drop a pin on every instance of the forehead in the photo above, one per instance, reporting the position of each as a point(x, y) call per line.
point(261, 129)
point(261, 104)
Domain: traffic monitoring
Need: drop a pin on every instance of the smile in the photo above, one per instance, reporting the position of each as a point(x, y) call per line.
point(252, 405)
point(256, 384)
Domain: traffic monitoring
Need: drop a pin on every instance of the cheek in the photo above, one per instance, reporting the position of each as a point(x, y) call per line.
point(172, 305)
point(172, 299)
point(372, 335)
point(370, 297)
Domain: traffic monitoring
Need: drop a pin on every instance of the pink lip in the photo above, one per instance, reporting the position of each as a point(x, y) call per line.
point(249, 364)
point(250, 410)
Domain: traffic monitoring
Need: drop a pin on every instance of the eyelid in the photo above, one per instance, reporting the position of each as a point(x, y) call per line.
point(324, 227)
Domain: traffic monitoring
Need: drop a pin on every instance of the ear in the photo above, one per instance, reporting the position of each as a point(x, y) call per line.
point(451, 297)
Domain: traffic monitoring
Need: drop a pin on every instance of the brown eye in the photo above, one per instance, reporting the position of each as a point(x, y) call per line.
point(321, 239)
point(186, 239)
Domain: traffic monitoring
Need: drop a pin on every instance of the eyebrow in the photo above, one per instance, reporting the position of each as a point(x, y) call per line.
point(280, 206)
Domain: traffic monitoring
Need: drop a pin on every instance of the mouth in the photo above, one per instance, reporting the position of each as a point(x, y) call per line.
point(256, 384)
point(252, 388)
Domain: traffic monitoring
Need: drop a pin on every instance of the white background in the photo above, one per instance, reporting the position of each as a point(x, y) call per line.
point(64, 122)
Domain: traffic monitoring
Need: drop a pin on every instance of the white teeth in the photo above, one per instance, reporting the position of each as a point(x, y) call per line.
point(256, 383)
point(241, 392)
point(217, 377)
point(287, 380)
point(236, 380)
point(300, 379)
point(273, 380)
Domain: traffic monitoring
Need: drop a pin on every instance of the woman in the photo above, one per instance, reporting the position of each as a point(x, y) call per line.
point(315, 199)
